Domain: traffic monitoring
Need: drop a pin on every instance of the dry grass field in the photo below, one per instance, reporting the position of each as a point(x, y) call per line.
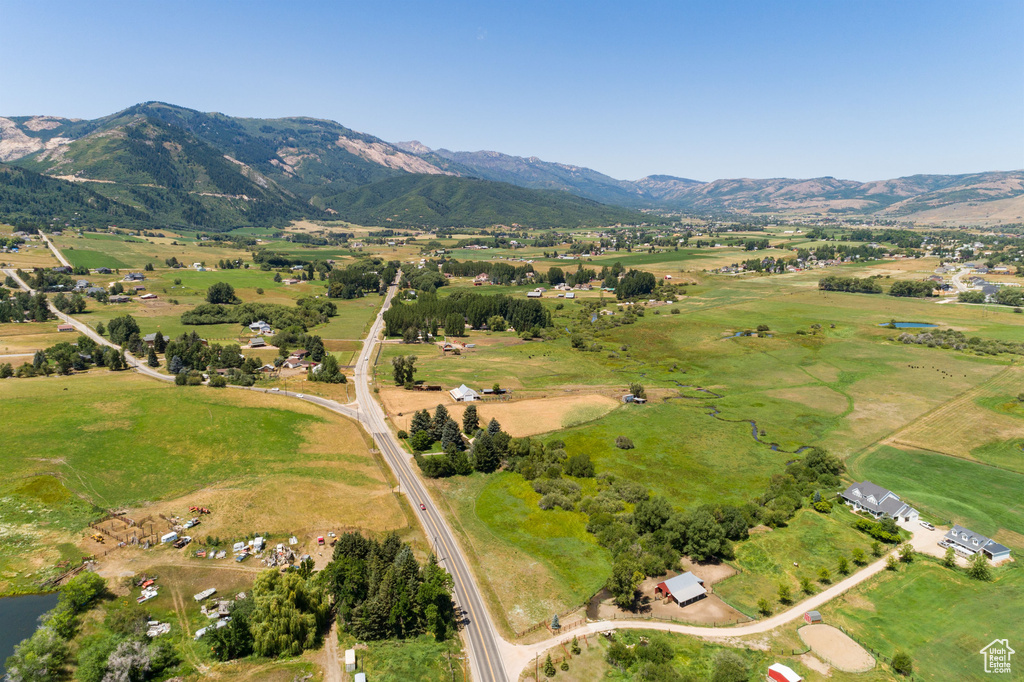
point(518, 417)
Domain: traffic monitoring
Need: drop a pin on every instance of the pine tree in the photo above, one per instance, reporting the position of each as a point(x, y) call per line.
point(151, 359)
point(549, 667)
point(175, 365)
point(555, 625)
point(470, 420)
point(420, 422)
point(493, 427)
point(437, 424)
point(159, 342)
point(450, 435)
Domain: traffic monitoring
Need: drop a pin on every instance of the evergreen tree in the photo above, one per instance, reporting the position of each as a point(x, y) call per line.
point(470, 420)
point(151, 359)
point(175, 365)
point(549, 667)
point(493, 427)
point(450, 435)
point(437, 424)
point(159, 342)
point(420, 422)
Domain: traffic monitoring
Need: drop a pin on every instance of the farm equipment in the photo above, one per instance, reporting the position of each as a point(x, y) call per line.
point(198, 510)
point(97, 537)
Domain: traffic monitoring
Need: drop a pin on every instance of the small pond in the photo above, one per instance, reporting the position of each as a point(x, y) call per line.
point(19, 618)
point(909, 325)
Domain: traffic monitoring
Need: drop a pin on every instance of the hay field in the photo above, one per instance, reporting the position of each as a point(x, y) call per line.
point(966, 427)
point(28, 337)
point(519, 417)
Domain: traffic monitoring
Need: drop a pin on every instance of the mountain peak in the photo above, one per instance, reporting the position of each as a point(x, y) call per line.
point(413, 147)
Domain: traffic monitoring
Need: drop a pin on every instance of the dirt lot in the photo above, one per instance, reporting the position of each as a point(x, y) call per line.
point(708, 611)
point(518, 417)
point(837, 648)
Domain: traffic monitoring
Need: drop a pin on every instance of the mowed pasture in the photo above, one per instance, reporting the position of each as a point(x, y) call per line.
point(972, 427)
point(941, 617)
point(984, 498)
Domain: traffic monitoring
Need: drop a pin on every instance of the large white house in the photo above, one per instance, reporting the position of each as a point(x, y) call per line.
point(877, 501)
point(969, 543)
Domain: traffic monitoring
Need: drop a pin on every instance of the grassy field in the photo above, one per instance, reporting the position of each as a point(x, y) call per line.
point(767, 560)
point(935, 483)
point(95, 250)
point(422, 659)
point(261, 462)
point(558, 565)
point(942, 618)
point(28, 337)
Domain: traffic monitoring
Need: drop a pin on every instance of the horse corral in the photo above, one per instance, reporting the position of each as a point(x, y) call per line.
point(837, 648)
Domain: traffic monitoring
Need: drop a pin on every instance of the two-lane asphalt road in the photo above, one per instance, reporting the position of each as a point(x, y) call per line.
point(481, 637)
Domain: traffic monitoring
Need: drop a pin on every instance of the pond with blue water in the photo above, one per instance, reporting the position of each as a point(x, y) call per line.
point(909, 325)
point(19, 618)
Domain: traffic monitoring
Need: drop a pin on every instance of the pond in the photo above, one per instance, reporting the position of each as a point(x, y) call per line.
point(19, 618)
point(909, 325)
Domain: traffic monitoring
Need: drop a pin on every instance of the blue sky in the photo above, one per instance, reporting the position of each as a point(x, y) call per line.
point(861, 90)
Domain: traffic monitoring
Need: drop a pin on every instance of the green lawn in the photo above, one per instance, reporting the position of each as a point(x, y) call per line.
point(936, 483)
point(92, 259)
point(766, 560)
point(941, 617)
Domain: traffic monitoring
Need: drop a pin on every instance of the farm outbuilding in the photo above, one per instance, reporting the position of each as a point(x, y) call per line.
point(683, 589)
point(464, 394)
point(350, 660)
point(782, 673)
point(812, 617)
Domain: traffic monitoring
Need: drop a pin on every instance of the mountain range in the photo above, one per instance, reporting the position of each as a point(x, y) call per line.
point(158, 163)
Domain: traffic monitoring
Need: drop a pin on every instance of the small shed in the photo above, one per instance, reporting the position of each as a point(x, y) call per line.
point(65, 327)
point(683, 589)
point(782, 673)
point(360, 677)
point(812, 617)
point(350, 660)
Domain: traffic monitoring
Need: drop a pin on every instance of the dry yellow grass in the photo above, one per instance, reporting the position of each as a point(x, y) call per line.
point(29, 337)
point(818, 397)
point(961, 425)
point(519, 418)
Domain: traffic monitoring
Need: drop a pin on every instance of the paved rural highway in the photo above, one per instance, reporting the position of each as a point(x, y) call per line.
point(482, 639)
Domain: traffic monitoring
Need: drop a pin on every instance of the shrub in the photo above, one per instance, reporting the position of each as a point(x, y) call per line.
point(978, 568)
point(217, 381)
point(764, 607)
point(902, 663)
point(624, 443)
point(891, 563)
point(402, 435)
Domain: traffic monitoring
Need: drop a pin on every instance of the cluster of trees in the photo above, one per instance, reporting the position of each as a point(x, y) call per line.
point(359, 278)
point(768, 264)
point(555, 276)
point(308, 312)
point(425, 430)
point(912, 289)
point(328, 371)
point(69, 305)
point(381, 592)
point(957, 340)
point(856, 285)
point(47, 279)
point(635, 283)
point(42, 656)
point(20, 306)
point(222, 292)
point(284, 615)
point(291, 338)
point(452, 312)
point(656, 660)
point(885, 530)
point(497, 271)
point(403, 368)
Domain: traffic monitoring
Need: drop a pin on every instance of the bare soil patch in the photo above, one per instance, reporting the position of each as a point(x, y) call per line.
point(833, 645)
point(708, 611)
point(709, 573)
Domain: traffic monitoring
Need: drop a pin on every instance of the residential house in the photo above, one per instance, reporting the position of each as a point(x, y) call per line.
point(969, 543)
point(464, 394)
point(878, 502)
point(103, 271)
point(134, 277)
point(150, 339)
point(683, 589)
point(260, 327)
